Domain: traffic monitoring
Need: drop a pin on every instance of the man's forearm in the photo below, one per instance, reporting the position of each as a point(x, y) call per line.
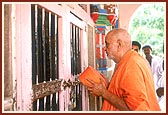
point(115, 101)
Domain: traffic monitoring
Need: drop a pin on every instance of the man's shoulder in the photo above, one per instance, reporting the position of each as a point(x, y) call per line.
point(156, 57)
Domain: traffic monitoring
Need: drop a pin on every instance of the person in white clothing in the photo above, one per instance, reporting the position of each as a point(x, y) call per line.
point(160, 86)
point(153, 60)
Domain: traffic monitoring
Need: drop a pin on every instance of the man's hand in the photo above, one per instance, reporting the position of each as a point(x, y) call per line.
point(105, 80)
point(96, 88)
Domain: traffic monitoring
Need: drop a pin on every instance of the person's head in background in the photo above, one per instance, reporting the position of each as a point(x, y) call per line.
point(147, 50)
point(148, 53)
point(136, 46)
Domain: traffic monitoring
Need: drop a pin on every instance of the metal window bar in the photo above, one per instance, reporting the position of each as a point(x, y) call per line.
point(44, 59)
point(76, 63)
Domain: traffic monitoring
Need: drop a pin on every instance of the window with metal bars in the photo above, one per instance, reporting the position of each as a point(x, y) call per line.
point(75, 50)
point(44, 58)
point(76, 62)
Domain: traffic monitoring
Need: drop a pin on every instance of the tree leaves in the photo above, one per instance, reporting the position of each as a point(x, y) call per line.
point(148, 26)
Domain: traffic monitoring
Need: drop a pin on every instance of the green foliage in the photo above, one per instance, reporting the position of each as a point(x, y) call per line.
point(148, 26)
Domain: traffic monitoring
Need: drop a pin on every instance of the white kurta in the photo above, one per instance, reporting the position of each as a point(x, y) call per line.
point(160, 83)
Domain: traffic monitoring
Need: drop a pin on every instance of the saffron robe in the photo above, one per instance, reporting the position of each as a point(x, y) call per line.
point(133, 81)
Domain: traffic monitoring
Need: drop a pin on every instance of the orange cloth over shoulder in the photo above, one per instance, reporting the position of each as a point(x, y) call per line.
point(133, 82)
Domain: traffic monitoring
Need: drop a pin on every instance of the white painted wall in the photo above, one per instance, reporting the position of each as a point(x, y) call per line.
point(125, 13)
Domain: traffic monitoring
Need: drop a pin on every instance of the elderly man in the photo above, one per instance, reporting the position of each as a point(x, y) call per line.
point(131, 87)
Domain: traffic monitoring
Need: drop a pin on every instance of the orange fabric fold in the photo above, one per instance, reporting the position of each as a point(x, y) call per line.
point(132, 81)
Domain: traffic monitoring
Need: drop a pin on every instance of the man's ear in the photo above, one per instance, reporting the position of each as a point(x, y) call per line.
point(119, 42)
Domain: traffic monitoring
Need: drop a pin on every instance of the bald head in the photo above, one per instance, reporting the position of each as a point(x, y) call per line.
point(118, 42)
point(120, 33)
